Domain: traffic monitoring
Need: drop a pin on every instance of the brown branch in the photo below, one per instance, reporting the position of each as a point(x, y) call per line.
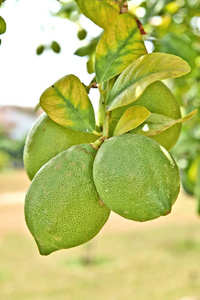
point(94, 85)
point(124, 8)
point(140, 26)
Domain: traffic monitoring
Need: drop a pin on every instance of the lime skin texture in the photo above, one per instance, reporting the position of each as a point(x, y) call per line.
point(62, 206)
point(46, 139)
point(158, 99)
point(136, 177)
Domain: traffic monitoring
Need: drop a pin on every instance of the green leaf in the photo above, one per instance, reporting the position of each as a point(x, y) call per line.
point(2, 25)
point(101, 13)
point(89, 48)
point(67, 103)
point(83, 51)
point(149, 68)
point(131, 118)
point(120, 45)
point(157, 123)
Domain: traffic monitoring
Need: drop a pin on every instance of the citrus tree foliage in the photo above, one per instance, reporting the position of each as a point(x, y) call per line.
point(173, 27)
point(169, 27)
point(120, 161)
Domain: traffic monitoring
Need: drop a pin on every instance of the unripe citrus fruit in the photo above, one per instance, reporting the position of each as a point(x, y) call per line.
point(47, 139)
point(2, 25)
point(62, 206)
point(158, 99)
point(82, 34)
point(40, 49)
point(136, 177)
point(55, 47)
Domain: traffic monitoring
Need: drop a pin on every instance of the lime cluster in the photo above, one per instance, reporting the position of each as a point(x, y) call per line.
point(75, 183)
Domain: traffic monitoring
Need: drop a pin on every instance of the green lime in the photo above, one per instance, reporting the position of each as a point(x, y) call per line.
point(46, 139)
point(136, 177)
point(82, 34)
point(55, 47)
point(40, 49)
point(2, 25)
point(62, 206)
point(158, 99)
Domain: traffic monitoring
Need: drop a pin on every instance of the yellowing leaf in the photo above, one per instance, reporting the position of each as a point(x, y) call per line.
point(120, 45)
point(157, 123)
point(66, 102)
point(149, 68)
point(101, 13)
point(131, 118)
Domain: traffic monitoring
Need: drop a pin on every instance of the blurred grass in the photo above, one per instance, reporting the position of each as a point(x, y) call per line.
point(158, 260)
point(12, 180)
point(158, 263)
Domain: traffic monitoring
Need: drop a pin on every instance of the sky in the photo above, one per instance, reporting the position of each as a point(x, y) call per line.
point(24, 75)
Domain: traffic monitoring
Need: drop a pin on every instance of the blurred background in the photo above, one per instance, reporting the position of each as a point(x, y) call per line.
point(40, 43)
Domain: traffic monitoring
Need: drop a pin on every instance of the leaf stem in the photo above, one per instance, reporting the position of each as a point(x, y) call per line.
point(102, 92)
point(97, 133)
point(92, 84)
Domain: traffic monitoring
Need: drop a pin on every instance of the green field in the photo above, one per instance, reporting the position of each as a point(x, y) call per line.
point(157, 260)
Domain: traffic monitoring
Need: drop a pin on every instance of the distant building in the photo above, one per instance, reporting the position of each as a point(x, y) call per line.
point(15, 122)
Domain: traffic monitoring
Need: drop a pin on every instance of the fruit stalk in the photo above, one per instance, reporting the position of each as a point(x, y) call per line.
point(104, 90)
point(97, 143)
point(106, 125)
